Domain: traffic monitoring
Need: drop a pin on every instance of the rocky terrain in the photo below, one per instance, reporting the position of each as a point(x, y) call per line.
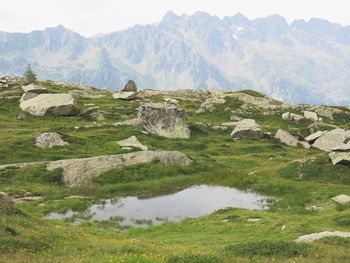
point(64, 147)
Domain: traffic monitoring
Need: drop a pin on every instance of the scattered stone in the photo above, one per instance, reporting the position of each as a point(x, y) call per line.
point(311, 115)
point(51, 104)
point(341, 199)
point(330, 140)
point(286, 138)
point(258, 101)
point(88, 109)
point(125, 95)
point(130, 87)
point(316, 236)
point(320, 125)
point(164, 120)
point(294, 117)
point(219, 127)
point(313, 137)
point(247, 128)
point(80, 172)
point(27, 199)
point(49, 139)
point(132, 142)
point(98, 116)
point(211, 102)
point(235, 118)
point(253, 220)
point(171, 100)
point(305, 145)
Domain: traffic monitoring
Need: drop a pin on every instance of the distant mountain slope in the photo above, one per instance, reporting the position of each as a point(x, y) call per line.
point(301, 62)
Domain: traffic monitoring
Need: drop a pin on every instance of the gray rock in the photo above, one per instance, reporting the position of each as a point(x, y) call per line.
point(345, 147)
point(51, 104)
point(33, 88)
point(330, 140)
point(341, 199)
point(132, 142)
point(80, 172)
point(49, 140)
point(311, 115)
point(247, 128)
point(316, 236)
point(313, 137)
point(28, 96)
point(164, 120)
point(286, 138)
point(305, 145)
point(130, 122)
point(130, 87)
point(125, 95)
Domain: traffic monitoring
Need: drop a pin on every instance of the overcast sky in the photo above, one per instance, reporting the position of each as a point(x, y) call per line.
point(90, 17)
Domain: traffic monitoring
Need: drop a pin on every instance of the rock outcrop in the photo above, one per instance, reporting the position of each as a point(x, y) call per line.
point(132, 142)
point(164, 120)
point(247, 128)
point(311, 115)
point(49, 139)
point(316, 236)
point(51, 104)
point(130, 87)
point(295, 117)
point(80, 172)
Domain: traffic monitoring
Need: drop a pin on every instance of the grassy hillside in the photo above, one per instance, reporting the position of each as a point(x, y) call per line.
point(263, 166)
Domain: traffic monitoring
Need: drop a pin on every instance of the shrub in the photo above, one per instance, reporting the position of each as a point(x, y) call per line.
point(30, 76)
point(269, 249)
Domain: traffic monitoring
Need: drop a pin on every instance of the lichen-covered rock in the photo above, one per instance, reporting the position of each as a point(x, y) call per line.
point(51, 104)
point(49, 140)
point(164, 120)
point(247, 128)
point(130, 87)
point(80, 172)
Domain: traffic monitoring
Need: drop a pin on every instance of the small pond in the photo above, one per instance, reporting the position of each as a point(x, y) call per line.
point(192, 202)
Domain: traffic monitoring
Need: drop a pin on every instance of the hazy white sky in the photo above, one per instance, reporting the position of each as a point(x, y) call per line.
point(90, 17)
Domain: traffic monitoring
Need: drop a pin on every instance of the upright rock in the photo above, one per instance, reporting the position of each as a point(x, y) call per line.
point(51, 104)
point(164, 120)
point(49, 140)
point(130, 87)
point(247, 128)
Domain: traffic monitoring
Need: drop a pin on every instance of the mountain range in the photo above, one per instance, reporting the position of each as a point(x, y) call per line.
point(300, 62)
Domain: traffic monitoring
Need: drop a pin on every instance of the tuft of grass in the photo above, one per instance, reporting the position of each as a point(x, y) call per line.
point(193, 258)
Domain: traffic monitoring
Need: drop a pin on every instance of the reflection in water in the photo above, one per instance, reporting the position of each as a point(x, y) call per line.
point(189, 203)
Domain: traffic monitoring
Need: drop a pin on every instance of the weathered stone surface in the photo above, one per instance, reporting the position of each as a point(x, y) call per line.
point(80, 172)
point(311, 115)
point(247, 128)
point(49, 140)
point(171, 100)
point(132, 142)
point(28, 96)
point(164, 120)
point(313, 137)
point(341, 199)
point(331, 139)
point(131, 122)
point(339, 157)
point(295, 117)
point(305, 145)
point(33, 88)
point(316, 236)
point(325, 112)
point(260, 102)
point(51, 104)
point(209, 103)
point(345, 147)
point(130, 87)
point(127, 95)
point(286, 138)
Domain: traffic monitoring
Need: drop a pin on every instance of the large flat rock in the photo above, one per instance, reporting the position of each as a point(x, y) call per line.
point(51, 104)
point(80, 172)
